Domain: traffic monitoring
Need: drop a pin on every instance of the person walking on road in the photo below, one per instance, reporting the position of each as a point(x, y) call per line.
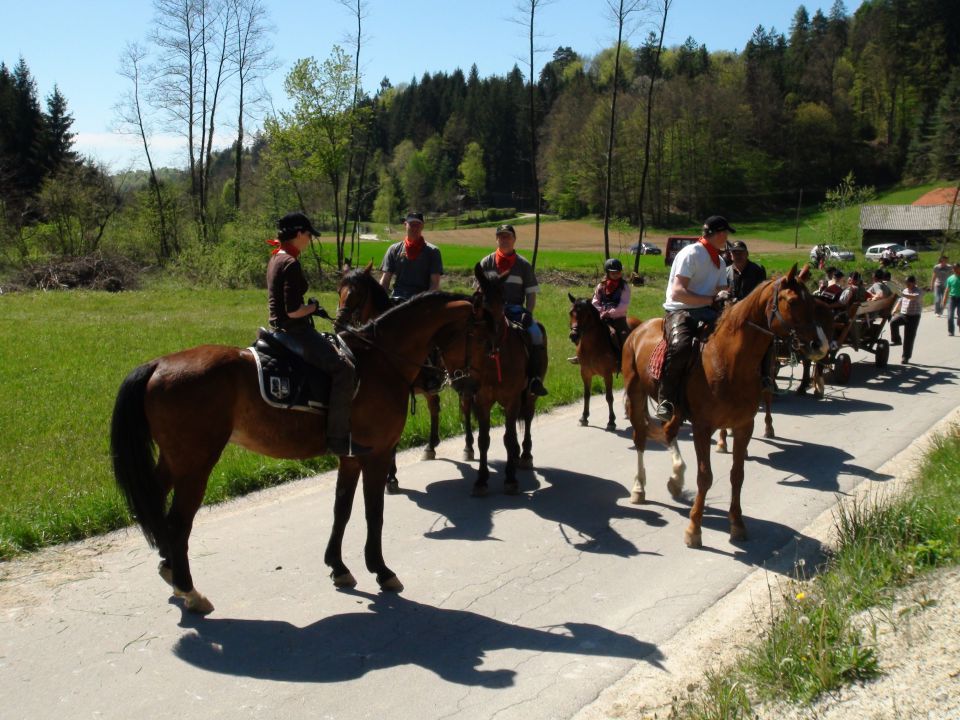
point(906, 313)
point(953, 299)
point(938, 283)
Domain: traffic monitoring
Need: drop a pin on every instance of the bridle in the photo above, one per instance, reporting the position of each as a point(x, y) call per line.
point(482, 315)
point(772, 314)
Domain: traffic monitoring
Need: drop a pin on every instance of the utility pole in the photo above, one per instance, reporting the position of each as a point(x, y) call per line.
point(796, 236)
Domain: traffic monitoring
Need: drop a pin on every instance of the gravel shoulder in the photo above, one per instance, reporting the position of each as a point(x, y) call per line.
point(917, 639)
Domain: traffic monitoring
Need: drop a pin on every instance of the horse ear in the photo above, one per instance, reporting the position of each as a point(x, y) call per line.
point(573, 300)
point(369, 267)
point(804, 273)
point(792, 273)
point(479, 275)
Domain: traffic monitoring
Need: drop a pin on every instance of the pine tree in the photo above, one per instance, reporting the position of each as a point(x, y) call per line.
point(945, 145)
point(58, 139)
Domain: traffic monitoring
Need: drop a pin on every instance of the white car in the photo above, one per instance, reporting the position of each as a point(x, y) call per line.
point(834, 252)
point(875, 252)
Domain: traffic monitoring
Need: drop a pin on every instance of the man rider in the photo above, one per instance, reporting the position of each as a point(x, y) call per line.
point(519, 297)
point(413, 262)
point(697, 275)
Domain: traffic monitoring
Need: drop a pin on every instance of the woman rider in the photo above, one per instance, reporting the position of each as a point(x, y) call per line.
point(611, 298)
point(286, 286)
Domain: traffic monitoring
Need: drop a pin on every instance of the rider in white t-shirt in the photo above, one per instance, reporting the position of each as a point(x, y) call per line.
point(697, 277)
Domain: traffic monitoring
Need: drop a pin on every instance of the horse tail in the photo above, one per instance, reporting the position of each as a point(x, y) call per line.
point(132, 449)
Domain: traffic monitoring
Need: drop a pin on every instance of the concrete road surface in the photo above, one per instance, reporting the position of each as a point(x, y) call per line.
point(515, 607)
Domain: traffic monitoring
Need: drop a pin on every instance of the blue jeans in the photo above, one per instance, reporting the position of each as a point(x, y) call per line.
point(953, 311)
point(519, 314)
point(938, 291)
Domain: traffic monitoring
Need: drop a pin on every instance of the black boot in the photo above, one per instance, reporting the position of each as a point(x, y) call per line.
point(537, 369)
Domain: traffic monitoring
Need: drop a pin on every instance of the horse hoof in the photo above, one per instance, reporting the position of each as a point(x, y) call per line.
point(511, 488)
point(429, 454)
point(195, 602)
point(392, 584)
point(393, 486)
point(638, 497)
point(525, 462)
point(346, 580)
point(479, 491)
point(468, 455)
point(675, 489)
point(166, 573)
point(611, 425)
point(768, 433)
point(584, 422)
point(737, 533)
point(722, 448)
point(693, 539)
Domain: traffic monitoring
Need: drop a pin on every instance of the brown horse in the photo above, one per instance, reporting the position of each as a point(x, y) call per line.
point(498, 374)
point(362, 298)
point(596, 353)
point(190, 404)
point(723, 386)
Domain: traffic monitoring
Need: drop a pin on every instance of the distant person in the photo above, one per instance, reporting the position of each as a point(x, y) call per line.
point(938, 283)
point(830, 293)
point(953, 299)
point(413, 265)
point(879, 289)
point(520, 298)
point(906, 313)
point(289, 314)
point(744, 274)
point(611, 298)
point(698, 275)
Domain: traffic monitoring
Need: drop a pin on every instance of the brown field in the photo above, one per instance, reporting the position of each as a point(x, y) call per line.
point(570, 235)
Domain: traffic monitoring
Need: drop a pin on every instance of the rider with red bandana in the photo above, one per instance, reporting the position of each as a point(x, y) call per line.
point(414, 264)
point(611, 298)
point(697, 277)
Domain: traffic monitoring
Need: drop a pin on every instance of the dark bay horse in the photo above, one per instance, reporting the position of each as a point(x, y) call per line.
point(723, 386)
point(362, 298)
point(596, 353)
point(190, 404)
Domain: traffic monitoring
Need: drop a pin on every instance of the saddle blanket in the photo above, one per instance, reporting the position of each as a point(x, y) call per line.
point(655, 366)
point(286, 381)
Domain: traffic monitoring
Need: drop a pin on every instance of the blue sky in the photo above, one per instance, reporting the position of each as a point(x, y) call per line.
point(77, 45)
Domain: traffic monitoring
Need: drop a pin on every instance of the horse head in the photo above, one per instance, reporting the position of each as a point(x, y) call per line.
point(360, 297)
point(792, 312)
point(583, 315)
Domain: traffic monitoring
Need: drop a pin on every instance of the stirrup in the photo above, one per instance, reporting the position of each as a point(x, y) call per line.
point(664, 411)
point(573, 360)
point(535, 386)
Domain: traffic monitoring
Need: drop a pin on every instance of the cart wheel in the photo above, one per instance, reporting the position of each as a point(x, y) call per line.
point(882, 354)
point(842, 368)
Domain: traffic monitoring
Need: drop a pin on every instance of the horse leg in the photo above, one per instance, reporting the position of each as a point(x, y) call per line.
point(347, 476)
point(741, 438)
point(608, 387)
point(526, 417)
point(722, 441)
point(374, 474)
point(433, 404)
point(512, 447)
point(483, 444)
point(637, 414)
point(586, 378)
point(805, 379)
point(818, 380)
point(392, 485)
point(679, 467)
point(768, 416)
point(693, 536)
point(466, 410)
point(189, 487)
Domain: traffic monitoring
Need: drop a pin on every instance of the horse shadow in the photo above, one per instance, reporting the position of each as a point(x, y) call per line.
point(582, 505)
point(797, 458)
point(393, 632)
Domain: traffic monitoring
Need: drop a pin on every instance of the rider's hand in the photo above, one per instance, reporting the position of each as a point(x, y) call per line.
point(722, 296)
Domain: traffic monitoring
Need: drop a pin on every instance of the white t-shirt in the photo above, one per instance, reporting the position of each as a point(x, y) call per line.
point(694, 262)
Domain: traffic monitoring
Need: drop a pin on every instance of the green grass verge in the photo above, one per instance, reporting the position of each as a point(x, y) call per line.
point(813, 645)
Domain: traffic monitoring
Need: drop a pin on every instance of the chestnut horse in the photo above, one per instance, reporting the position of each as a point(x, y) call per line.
point(723, 386)
point(362, 298)
point(596, 353)
point(190, 404)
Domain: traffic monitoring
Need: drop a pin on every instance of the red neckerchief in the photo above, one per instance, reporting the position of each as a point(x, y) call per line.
point(504, 262)
point(714, 253)
point(610, 286)
point(412, 248)
point(288, 247)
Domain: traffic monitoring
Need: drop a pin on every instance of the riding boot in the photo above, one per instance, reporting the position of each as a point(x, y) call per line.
point(669, 390)
point(339, 440)
point(537, 368)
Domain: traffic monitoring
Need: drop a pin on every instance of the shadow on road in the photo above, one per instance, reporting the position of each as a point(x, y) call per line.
point(833, 403)
point(812, 465)
point(582, 505)
point(392, 632)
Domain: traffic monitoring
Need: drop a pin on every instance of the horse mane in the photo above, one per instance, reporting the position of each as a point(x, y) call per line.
point(735, 316)
point(588, 303)
point(420, 299)
point(381, 300)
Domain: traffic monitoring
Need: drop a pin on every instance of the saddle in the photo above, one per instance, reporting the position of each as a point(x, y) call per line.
point(286, 380)
point(655, 365)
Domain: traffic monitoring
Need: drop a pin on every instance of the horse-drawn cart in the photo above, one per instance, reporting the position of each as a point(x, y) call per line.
point(861, 327)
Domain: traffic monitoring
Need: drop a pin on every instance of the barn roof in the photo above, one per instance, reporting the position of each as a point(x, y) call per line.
point(907, 217)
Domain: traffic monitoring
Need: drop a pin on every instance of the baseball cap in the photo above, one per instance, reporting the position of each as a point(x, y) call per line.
point(292, 223)
point(414, 217)
point(506, 228)
point(717, 223)
point(738, 246)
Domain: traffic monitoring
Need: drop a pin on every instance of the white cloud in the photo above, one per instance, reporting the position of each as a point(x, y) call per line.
point(120, 151)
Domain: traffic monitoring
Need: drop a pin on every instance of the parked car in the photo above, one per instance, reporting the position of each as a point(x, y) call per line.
point(875, 252)
point(644, 248)
point(675, 243)
point(833, 252)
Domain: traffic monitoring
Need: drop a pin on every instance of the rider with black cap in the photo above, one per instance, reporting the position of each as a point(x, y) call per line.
point(697, 277)
point(286, 286)
point(611, 298)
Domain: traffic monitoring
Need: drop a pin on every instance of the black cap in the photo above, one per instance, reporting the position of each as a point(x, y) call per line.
point(506, 228)
point(613, 265)
point(414, 217)
point(716, 223)
point(290, 224)
point(738, 245)
point(837, 274)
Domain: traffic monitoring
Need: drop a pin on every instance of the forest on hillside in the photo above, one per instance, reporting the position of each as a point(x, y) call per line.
point(640, 132)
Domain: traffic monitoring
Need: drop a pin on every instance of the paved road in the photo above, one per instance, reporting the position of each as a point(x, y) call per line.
point(515, 607)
